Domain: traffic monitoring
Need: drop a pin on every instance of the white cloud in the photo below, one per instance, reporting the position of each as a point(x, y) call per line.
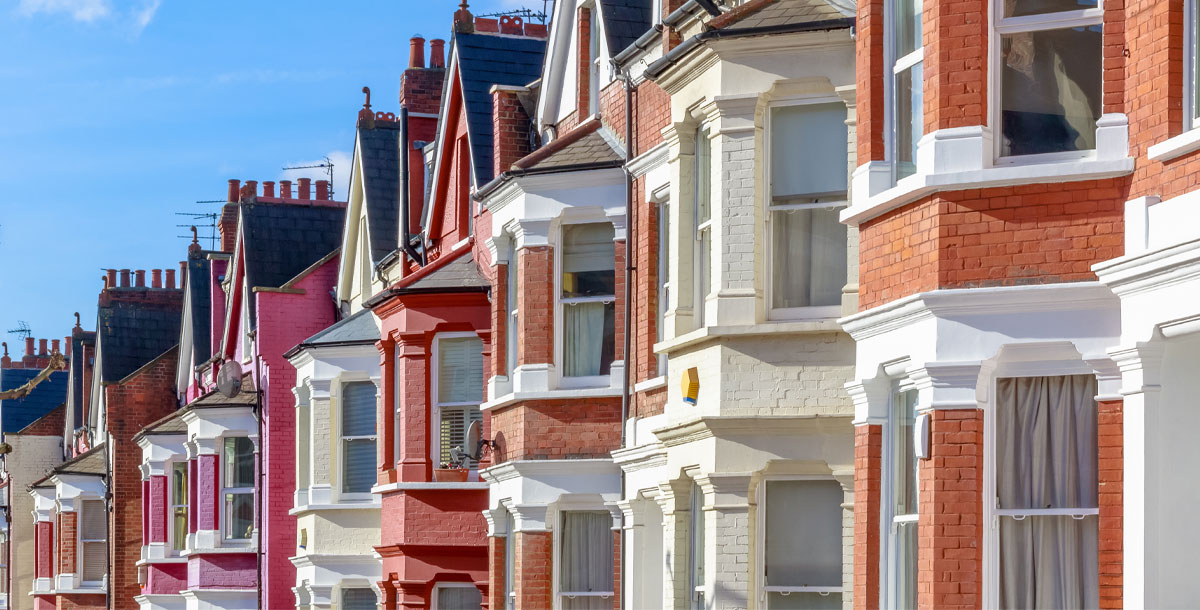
point(142, 16)
point(80, 10)
point(341, 172)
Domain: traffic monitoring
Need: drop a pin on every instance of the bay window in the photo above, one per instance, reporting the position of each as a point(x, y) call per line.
point(585, 573)
point(1045, 521)
point(179, 506)
point(588, 299)
point(803, 540)
point(907, 85)
point(696, 544)
point(1050, 75)
point(702, 249)
point(459, 392)
point(900, 512)
point(238, 488)
point(93, 541)
point(358, 437)
point(807, 148)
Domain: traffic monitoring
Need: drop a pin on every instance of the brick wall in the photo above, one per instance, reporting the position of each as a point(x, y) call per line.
point(955, 68)
point(950, 535)
point(511, 127)
point(868, 464)
point(536, 304)
point(533, 579)
point(1110, 475)
point(67, 538)
point(870, 73)
point(74, 601)
point(497, 595)
point(50, 424)
point(583, 51)
point(557, 429)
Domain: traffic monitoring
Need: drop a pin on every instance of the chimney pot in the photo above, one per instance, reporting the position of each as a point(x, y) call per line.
point(170, 282)
point(285, 189)
point(55, 345)
point(437, 53)
point(416, 52)
point(156, 278)
point(28, 346)
point(41, 346)
point(253, 186)
point(67, 346)
point(124, 278)
point(305, 190)
point(323, 190)
point(182, 272)
point(235, 188)
point(140, 278)
point(268, 189)
point(112, 279)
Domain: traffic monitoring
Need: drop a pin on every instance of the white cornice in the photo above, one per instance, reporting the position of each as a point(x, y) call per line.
point(721, 427)
point(646, 162)
point(539, 468)
point(1152, 270)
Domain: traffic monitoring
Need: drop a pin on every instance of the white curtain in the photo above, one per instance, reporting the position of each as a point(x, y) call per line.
point(1046, 458)
point(587, 556)
point(583, 346)
point(804, 533)
point(459, 598)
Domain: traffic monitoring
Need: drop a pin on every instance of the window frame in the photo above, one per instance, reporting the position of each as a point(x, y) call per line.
point(663, 279)
point(889, 548)
point(81, 542)
point(897, 66)
point(343, 495)
point(1191, 62)
point(512, 321)
point(510, 592)
point(437, 586)
point(1001, 26)
point(172, 507)
point(228, 491)
point(697, 587)
point(435, 438)
point(560, 312)
point(595, 56)
point(556, 564)
point(810, 312)
point(761, 552)
point(702, 255)
point(343, 589)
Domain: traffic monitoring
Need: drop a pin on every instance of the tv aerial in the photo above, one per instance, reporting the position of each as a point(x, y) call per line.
point(22, 330)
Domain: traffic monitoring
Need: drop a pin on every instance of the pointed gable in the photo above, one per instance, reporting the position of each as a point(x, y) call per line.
point(378, 152)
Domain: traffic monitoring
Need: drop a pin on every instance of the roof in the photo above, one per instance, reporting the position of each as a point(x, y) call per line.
point(248, 397)
point(281, 240)
point(172, 424)
point(592, 147)
point(358, 328)
point(91, 462)
point(492, 59)
point(379, 150)
point(460, 273)
point(624, 22)
point(15, 414)
point(132, 333)
point(199, 284)
point(776, 13)
point(79, 338)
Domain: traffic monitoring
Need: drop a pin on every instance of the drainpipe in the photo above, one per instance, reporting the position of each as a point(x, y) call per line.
point(630, 236)
point(258, 496)
point(108, 495)
point(405, 233)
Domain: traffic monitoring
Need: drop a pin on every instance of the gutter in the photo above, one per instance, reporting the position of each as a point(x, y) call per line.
point(405, 236)
point(655, 69)
point(303, 346)
point(643, 43)
point(378, 299)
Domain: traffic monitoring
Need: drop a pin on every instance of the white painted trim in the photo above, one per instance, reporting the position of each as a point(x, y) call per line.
point(1171, 148)
point(390, 487)
point(650, 384)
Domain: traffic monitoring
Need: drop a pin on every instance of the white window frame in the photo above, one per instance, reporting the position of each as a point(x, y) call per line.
point(81, 541)
point(697, 591)
point(897, 66)
point(664, 279)
point(812, 311)
point(510, 561)
point(342, 495)
point(761, 551)
point(345, 586)
point(1191, 60)
point(560, 305)
point(558, 518)
point(511, 319)
point(433, 603)
point(888, 556)
point(701, 229)
point(595, 55)
point(397, 362)
point(172, 506)
point(992, 514)
point(1002, 26)
point(226, 491)
point(435, 440)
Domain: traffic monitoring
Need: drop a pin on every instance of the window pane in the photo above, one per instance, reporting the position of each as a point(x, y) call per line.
point(93, 520)
point(509, 553)
point(95, 561)
point(303, 441)
point(703, 176)
point(453, 433)
point(904, 461)
point(1049, 562)
point(805, 164)
point(1051, 90)
point(804, 601)
point(1195, 57)
point(358, 599)
point(589, 336)
point(704, 271)
point(358, 466)
point(907, 33)
point(586, 552)
point(809, 264)
point(1018, 8)
point(239, 462)
point(179, 527)
point(510, 336)
point(358, 409)
point(804, 534)
point(905, 576)
point(239, 516)
point(460, 370)
point(588, 260)
point(909, 118)
point(587, 603)
point(459, 598)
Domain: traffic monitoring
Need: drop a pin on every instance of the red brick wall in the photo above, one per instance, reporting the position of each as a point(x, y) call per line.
point(496, 577)
point(583, 51)
point(956, 50)
point(511, 127)
point(950, 535)
point(67, 537)
point(557, 429)
point(868, 464)
point(869, 75)
point(1030, 234)
point(1110, 437)
point(84, 602)
point(50, 424)
point(533, 579)
point(536, 305)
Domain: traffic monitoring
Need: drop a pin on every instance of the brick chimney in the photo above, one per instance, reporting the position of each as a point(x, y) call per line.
point(42, 347)
point(235, 190)
point(437, 54)
point(111, 281)
point(229, 217)
point(416, 51)
point(5, 361)
point(464, 21)
point(268, 189)
point(305, 190)
point(322, 190)
point(29, 341)
point(511, 125)
point(156, 278)
point(124, 278)
point(170, 281)
point(511, 24)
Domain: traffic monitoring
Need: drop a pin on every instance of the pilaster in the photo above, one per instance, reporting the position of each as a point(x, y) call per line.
point(727, 533)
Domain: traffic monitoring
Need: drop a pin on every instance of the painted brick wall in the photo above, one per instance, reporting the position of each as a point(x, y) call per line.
point(557, 429)
point(533, 572)
point(31, 458)
point(1110, 475)
point(224, 571)
point(166, 578)
point(80, 602)
point(868, 464)
point(448, 518)
point(950, 534)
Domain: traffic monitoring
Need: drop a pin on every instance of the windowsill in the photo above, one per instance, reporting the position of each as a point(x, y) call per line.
point(402, 486)
point(651, 384)
point(1171, 148)
point(172, 559)
point(225, 550)
point(712, 333)
point(359, 505)
point(916, 186)
point(560, 393)
point(96, 590)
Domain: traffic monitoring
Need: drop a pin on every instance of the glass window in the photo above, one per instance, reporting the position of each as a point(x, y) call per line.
point(179, 505)
point(359, 599)
point(510, 543)
point(808, 188)
point(586, 561)
point(664, 278)
point(696, 530)
point(588, 299)
point(901, 513)
point(239, 488)
point(93, 540)
point(358, 437)
point(1192, 53)
point(907, 111)
point(593, 60)
point(459, 393)
point(3, 563)
point(803, 544)
point(702, 251)
point(1046, 492)
point(511, 299)
point(303, 440)
point(1050, 75)
point(457, 597)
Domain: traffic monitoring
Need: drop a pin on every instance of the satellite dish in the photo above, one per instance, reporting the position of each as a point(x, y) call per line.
point(229, 378)
point(475, 444)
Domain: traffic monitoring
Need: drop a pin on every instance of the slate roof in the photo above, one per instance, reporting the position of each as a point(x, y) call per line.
point(199, 284)
point(91, 462)
point(380, 151)
point(625, 21)
point(15, 414)
point(248, 397)
point(485, 60)
point(359, 327)
point(79, 338)
point(171, 424)
point(282, 240)
point(780, 13)
point(591, 148)
point(134, 333)
point(457, 274)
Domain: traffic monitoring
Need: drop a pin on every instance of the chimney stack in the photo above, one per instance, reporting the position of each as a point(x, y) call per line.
point(28, 346)
point(464, 21)
point(140, 278)
point(67, 346)
point(268, 189)
point(182, 272)
point(252, 186)
point(156, 278)
point(285, 189)
point(42, 347)
point(437, 53)
point(235, 188)
point(416, 51)
point(323, 190)
point(170, 284)
point(124, 278)
point(112, 279)
point(305, 190)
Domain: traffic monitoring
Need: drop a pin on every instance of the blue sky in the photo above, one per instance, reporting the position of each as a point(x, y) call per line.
point(116, 114)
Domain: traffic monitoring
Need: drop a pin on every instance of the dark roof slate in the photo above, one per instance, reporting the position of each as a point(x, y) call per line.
point(485, 60)
point(91, 462)
point(283, 240)
point(359, 327)
point(248, 397)
point(171, 424)
point(132, 333)
point(459, 273)
point(199, 284)
point(380, 152)
point(15, 414)
point(591, 148)
point(785, 12)
point(625, 21)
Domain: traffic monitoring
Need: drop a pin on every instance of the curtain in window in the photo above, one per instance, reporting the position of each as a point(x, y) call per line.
point(588, 338)
point(804, 534)
point(359, 599)
point(586, 559)
point(808, 153)
point(358, 421)
point(588, 260)
point(460, 370)
point(459, 598)
point(1046, 458)
point(1051, 90)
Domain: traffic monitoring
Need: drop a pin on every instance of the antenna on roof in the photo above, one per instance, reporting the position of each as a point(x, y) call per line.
point(327, 165)
point(206, 221)
point(525, 14)
point(22, 330)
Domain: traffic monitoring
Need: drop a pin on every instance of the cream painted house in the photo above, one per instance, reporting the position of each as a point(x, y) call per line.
point(31, 457)
point(745, 496)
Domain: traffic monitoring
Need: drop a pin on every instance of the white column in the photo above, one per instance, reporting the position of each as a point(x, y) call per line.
point(726, 540)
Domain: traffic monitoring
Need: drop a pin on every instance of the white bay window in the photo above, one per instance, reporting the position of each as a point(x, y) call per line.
point(585, 573)
point(803, 540)
point(588, 300)
point(358, 437)
point(696, 544)
point(459, 391)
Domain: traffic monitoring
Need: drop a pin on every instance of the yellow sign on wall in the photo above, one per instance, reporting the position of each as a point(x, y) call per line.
point(691, 385)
